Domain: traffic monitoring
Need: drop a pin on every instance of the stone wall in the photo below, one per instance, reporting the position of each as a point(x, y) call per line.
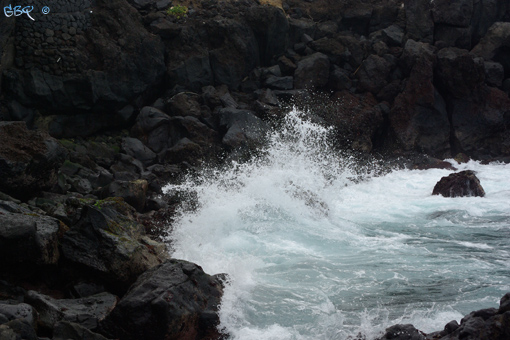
point(49, 41)
point(83, 56)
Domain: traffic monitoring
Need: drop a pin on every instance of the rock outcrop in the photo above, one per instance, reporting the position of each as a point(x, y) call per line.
point(27, 239)
point(175, 300)
point(29, 160)
point(110, 244)
point(484, 324)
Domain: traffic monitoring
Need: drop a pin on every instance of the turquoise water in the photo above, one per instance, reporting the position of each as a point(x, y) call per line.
point(313, 252)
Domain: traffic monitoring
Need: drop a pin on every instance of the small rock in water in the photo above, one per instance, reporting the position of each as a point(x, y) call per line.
point(459, 184)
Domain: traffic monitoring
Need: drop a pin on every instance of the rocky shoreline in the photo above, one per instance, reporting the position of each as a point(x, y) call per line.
point(102, 103)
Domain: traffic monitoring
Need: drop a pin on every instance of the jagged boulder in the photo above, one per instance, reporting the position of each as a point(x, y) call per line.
point(175, 300)
point(17, 329)
point(495, 45)
point(460, 74)
point(312, 71)
point(65, 330)
point(26, 238)
point(109, 243)
point(419, 21)
point(133, 192)
point(464, 183)
point(484, 324)
point(402, 332)
point(12, 311)
point(373, 73)
point(29, 160)
point(168, 136)
point(135, 148)
point(453, 13)
point(241, 127)
point(357, 119)
point(87, 312)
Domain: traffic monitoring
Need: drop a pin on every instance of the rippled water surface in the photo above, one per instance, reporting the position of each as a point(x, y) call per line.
point(313, 252)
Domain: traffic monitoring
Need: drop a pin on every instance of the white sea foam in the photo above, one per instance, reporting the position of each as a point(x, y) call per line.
point(312, 254)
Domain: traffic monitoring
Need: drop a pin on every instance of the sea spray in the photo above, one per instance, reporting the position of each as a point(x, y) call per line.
point(316, 248)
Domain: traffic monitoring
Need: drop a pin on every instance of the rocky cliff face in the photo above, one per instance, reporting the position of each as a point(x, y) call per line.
point(440, 68)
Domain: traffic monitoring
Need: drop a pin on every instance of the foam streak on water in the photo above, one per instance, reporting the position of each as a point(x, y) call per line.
point(312, 254)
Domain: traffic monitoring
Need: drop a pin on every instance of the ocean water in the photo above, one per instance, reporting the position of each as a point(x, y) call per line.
point(317, 247)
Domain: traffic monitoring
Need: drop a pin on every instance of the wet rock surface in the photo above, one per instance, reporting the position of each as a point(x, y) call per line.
point(175, 300)
point(107, 242)
point(464, 183)
point(86, 312)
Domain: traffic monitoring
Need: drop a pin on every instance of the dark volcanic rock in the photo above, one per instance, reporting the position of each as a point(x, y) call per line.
point(393, 35)
point(133, 192)
point(27, 239)
point(485, 324)
point(87, 312)
point(271, 28)
point(175, 300)
point(280, 83)
point(17, 329)
point(356, 118)
point(162, 133)
point(459, 184)
point(415, 50)
point(237, 54)
point(242, 128)
point(419, 117)
point(114, 59)
point(184, 104)
point(357, 19)
point(480, 128)
point(109, 243)
point(420, 25)
point(495, 45)
point(65, 330)
point(135, 148)
point(28, 160)
point(452, 12)
point(453, 36)
point(18, 311)
point(494, 73)
point(373, 73)
point(312, 72)
point(402, 332)
point(460, 74)
point(194, 72)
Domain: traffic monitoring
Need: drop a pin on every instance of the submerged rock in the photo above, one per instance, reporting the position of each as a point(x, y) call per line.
point(175, 300)
point(459, 184)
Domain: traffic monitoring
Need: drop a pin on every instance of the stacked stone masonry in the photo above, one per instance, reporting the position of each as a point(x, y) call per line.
point(49, 41)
